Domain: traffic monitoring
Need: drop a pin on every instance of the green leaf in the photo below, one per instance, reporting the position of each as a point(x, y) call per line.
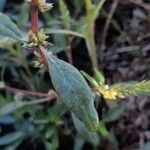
point(47, 145)
point(50, 133)
point(57, 49)
point(7, 120)
point(113, 140)
point(55, 142)
point(11, 107)
point(80, 25)
point(103, 130)
point(115, 113)
point(13, 146)
point(99, 77)
point(61, 31)
point(10, 138)
point(6, 42)
point(73, 91)
point(90, 79)
point(84, 133)
point(98, 8)
point(9, 28)
point(78, 143)
point(23, 15)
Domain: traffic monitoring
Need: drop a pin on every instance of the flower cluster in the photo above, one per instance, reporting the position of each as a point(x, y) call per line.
point(108, 93)
point(44, 6)
point(34, 39)
point(38, 63)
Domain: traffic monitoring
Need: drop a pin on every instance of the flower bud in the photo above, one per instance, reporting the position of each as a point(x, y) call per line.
point(44, 6)
point(34, 39)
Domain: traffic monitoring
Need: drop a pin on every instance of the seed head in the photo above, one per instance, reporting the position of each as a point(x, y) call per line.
point(44, 6)
point(34, 39)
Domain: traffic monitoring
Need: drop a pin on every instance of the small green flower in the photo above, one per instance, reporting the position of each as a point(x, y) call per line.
point(34, 39)
point(38, 63)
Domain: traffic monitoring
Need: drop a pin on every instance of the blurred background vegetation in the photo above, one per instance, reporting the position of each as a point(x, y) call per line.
point(123, 54)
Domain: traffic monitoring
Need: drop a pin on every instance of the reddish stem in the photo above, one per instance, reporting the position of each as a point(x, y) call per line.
point(31, 93)
point(94, 90)
point(34, 22)
point(41, 51)
point(34, 15)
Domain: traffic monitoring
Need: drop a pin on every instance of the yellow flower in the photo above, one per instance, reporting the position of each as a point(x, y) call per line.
point(108, 93)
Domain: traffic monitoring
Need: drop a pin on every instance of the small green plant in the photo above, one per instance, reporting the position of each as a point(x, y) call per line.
point(69, 84)
point(64, 76)
point(67, 80)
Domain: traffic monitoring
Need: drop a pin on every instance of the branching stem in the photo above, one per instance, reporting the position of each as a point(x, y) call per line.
point(51, 95)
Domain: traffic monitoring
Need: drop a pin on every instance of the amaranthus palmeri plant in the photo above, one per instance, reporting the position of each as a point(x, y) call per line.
point(69, 84)
point(68, 81)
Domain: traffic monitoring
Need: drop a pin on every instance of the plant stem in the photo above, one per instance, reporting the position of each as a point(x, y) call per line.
point(34, 102)
point(30, 93)
point(69, 51)
point(90, 41)
point(88, 4)
point(34, 15)
point(34, 22)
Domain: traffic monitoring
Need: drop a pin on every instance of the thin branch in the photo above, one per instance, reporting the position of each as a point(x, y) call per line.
point(51, 95)
point(107, 24)
point(69, 50)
